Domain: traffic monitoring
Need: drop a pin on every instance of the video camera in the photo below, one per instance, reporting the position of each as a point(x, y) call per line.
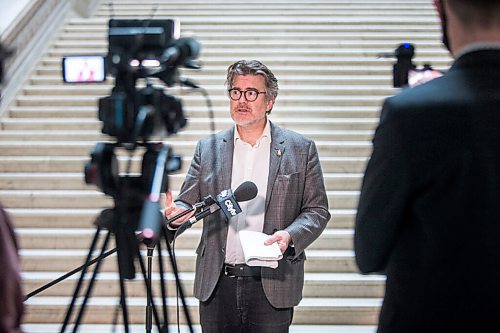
point(138, 49)
point(404, 71)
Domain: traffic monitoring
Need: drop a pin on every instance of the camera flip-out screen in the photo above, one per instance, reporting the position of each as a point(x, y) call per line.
point(80, 69)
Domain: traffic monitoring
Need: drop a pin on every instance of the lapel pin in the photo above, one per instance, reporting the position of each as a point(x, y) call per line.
point(279, 153)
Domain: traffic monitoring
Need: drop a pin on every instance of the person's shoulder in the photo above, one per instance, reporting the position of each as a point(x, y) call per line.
point(422, 97)
point(290, 135)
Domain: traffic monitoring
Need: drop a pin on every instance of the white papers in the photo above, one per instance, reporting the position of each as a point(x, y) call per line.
point(256, 253)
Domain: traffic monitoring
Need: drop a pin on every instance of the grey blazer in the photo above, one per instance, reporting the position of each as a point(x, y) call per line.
point(296, 201)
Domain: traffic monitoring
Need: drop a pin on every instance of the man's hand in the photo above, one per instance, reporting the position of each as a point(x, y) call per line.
point(281, 237)
point(171, 210)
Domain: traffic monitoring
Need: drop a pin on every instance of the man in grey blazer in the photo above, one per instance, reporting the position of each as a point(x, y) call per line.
point(429, 212)
point(291, 206)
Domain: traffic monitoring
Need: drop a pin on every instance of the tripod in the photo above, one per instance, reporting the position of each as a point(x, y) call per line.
point(126, 271)
point(131, 213)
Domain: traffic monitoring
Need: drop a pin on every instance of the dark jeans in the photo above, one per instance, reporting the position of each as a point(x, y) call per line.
point(239, 305)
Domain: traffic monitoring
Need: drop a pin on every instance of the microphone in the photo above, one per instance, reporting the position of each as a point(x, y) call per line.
point(225, 200)
point(182, 52)
point(207, 201)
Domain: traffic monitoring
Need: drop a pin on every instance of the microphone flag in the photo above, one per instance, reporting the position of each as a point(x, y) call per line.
point(227, 202)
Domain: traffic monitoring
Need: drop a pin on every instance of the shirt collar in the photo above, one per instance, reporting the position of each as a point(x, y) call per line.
point(266, 133)
point(479, 46)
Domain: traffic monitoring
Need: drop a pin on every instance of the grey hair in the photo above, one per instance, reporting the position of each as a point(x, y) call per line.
point(253, 67)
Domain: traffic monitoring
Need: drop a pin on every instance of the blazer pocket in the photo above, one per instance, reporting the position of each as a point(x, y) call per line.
point(288, 185)
point(288, 177)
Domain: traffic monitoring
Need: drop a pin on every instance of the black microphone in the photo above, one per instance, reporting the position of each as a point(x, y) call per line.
point(182, 52)
point(207, 201)
point(228, 201)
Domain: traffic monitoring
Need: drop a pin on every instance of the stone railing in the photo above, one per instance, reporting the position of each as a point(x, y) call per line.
point(28, 36)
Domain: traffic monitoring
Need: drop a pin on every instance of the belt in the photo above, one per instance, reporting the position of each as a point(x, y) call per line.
point(241, 270)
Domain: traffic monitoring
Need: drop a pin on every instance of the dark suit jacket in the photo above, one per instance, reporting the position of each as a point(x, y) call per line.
point(296, 201)
point(429, 211)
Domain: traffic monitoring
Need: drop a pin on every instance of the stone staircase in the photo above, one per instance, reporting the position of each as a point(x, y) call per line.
point(324, 54)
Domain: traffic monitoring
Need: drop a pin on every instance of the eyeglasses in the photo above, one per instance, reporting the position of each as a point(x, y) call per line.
point(250, 95)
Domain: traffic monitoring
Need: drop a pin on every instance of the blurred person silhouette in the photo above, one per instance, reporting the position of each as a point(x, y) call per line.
point(11, 293)
point(429, 210)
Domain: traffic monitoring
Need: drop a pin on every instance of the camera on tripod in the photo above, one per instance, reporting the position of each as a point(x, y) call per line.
point(404, 72)
point(140, 52)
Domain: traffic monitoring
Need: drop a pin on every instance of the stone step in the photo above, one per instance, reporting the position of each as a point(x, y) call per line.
point(51, 328)
point(85, 217)
point(254, 49)
point(308, 11)
point(76, 163)
point(296, 123)
point(318, 261)
point(214, 90)
point(385, 68)
point(218, 101)
point(355, 21)
point(228, 40)
point(99, 310)
point(283, 4)
point(75, 181)
point(214, 80)
point(188, 26)
point(210, 34)
point(71, 238)
point(81, 148)
point(311, 10)
point(348, 59)
point(184, 135)
point(94, 199)
point(292, 25)
point(107, 284)
point(201, 111)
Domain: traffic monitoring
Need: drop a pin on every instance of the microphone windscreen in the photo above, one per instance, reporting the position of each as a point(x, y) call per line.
point(246, 191)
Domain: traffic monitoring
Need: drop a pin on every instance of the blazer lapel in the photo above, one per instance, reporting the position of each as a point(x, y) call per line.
point(224, 152)
point(277, 151)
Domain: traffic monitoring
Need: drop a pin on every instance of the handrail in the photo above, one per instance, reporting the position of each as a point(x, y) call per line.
point(28, 35)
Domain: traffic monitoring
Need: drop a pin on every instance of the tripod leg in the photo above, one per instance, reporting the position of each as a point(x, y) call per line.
point(91, 284)
point(178, 281)
point(123, 302)
point(149, 307)
point(149, 291)
point(69, 311)
point(163, 289)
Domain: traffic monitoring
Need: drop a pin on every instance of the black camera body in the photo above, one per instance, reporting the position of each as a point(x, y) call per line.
point(137, 49)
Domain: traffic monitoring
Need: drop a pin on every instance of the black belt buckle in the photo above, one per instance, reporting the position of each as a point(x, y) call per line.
point(228, 270)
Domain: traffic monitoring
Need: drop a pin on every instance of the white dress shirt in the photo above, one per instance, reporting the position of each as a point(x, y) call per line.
point(250, 163)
